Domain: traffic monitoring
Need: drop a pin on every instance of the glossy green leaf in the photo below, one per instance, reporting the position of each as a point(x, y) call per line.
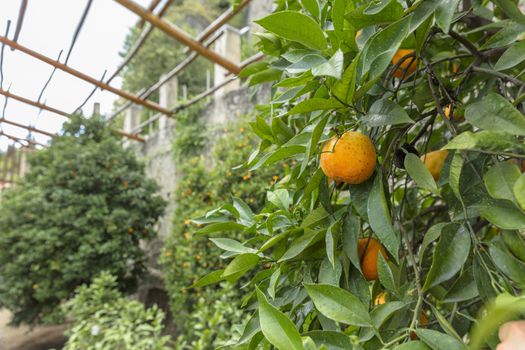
point(277, 327)
point(506, 262)
point(439, 341)
point(512, 57)
point(445, 13)
point(311, 6)
point(519, 191)
point(361, 18)
point(295, 26)
point(500, 180)
point(419, 173)
point(240, 265)
point(386, 276)
point(350, 238)
point(464, 288)
point(344, 89)
point(331, 68)
point(379, 218)
point(485, 140)
point(332, 340)
point(412, 345)
point(210, 278)
point(386, 112)
point(221, 227)
point(503, 214)
point(380, 316)
point(494, 112)
point(450, 254)
point(301, 243)
point(231, 245)
point(315, 104)
point(338, 304)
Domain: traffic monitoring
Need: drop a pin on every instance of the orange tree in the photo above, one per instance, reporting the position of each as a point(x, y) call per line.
point(373, 241)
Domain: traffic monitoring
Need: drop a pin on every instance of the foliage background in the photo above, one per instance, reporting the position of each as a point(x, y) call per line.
point(206, 158)
point(83, 208)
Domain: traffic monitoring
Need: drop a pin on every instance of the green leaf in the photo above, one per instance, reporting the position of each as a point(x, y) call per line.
point(494, 112)
point(379, 316)
point(379, 218)
point(443, 322)
point(330, 243)
point(386, 112)
point(506, 262)
point(484, 140)
point(515, 243)
point(295, 26)
point(221, 227)
point(500, 179)
point(512, 57)
point(344, 89)
point(331, 339)
point(277, 155)
point(364, 17)
point(309, 238)
point(432, 234)
point(280, 198)
point(519, 191)
point(382, 46)
point(331, 68)
point(267, 75)
point(456, 167)
point(338, 304)
point(315, 104)
point(350, 234)
point(386, 277)
point(311, 6)
point(412, 345)
point(277, 327)
point(511, 10)
point(450, 254)
point(240, 265)
point(503, 214)
point(419, 173)
point(464, 288)
point(210, 278)
point(445, 13)
point(231, 245)
point(439, 341)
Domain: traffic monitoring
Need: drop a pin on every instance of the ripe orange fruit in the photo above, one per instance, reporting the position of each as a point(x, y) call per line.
point(369, 257)
point(380, 299)
point(350, 158)
point(455, 68)
point(434, 162)
point(409, 64)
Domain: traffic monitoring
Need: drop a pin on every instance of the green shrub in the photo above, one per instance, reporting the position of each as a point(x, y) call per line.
point(83, 208)
point(104, 319)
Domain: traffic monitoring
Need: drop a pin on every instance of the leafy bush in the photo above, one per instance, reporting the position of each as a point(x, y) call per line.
point(205, 160)
point(405, 78)
point(83, 208)
point(104, 319)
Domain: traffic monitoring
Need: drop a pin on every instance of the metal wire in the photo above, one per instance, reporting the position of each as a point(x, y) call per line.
point(91, 94)
point(20, 21)
point(2, 56)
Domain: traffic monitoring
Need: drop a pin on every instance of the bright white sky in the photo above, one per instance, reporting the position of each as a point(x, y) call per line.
point(48, 28)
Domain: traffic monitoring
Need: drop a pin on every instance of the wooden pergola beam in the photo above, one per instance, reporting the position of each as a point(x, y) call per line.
point(30, 128)
point(152, 6)
point(85, 77)
point(19, 140)
point(33, 103)
point(62, 113)
point(180, 36)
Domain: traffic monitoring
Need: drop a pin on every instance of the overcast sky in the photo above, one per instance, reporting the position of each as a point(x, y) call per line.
point(48, 28)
